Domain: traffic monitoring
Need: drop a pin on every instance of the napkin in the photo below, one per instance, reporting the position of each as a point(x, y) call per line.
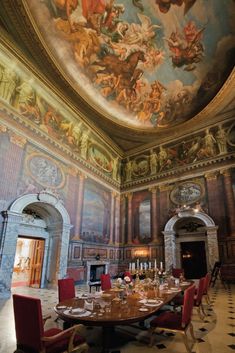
point(88, 306)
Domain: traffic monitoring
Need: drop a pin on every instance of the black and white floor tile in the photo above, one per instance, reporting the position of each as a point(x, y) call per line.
point(216, 334)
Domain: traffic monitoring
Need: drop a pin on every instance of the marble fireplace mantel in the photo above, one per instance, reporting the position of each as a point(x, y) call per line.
point(96, 263)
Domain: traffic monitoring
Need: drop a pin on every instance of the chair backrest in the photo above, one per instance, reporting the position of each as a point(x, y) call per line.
point(207, 282)
point(66, 289)
point(128, 274)
point(188, 305)
point(200, 291)
point(28, 322)
point(176, 272)
point(105, 281)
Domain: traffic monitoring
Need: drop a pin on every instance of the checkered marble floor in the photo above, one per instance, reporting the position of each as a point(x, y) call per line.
point(216, 334)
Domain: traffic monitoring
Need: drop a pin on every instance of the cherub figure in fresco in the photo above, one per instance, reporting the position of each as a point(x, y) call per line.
point(51, 121)
point(221, 139)
point(165, 5)
point(152, 104)
point(107, 82)
point(186, 47)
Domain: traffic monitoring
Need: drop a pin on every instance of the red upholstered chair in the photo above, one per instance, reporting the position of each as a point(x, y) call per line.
point(128, 274)
point(197, 299)
point(176, 272)
point(31, 336)
point(206, 288)
point(177, 321)
point(66, 289)
point(105, 281)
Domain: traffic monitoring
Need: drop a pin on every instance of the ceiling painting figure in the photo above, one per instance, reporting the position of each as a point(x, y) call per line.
point(145, 64)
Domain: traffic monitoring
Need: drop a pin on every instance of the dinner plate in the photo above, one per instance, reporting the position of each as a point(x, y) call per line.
point(78, 314)
point(61, 307)
point(143, 309)
point(157, 303)
point(185, 283)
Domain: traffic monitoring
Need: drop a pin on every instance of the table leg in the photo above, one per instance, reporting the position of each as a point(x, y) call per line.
point(106, 339)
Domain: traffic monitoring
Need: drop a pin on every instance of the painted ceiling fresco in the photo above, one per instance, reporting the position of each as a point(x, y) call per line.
point(145, 64)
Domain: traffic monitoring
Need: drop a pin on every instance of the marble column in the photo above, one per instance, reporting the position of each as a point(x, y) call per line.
point(170, 249)
point(130, 221)
point(213, 195)
point(117, 221)
point(111, 237)
point(77, 231)
point(213, 250)
point(163, 206)
point(154, 216)
point(8, 242)
point(230, 202)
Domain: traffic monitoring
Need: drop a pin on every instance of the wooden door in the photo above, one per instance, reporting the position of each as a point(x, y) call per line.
point(37, 252)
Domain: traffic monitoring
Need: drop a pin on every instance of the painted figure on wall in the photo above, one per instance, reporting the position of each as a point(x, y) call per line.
point(96, 214)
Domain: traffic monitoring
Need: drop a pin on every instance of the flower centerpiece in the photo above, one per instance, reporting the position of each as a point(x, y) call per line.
point(128, 284)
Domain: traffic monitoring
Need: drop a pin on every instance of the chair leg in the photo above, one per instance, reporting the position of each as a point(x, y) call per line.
point(208, 299)
point(192, 332)
point(185, 339)
point(203, 310)
point(152, 337)
point(199, 312)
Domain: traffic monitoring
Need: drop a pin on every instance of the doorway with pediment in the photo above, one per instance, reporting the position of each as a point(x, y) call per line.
point(190, 242)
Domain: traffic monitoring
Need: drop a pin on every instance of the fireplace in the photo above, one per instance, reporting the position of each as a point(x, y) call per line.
point(95, 269)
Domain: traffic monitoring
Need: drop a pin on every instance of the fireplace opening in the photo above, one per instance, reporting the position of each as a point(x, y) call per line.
point(95, 272)
point(193, 259)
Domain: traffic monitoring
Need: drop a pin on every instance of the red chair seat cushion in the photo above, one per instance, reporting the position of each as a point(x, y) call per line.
point(59, 345)
point(169, 320)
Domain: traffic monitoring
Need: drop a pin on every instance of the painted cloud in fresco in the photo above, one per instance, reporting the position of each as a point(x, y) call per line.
point(148, 64)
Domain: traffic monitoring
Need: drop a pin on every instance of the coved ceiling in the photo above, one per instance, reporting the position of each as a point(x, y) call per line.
point(143, 71)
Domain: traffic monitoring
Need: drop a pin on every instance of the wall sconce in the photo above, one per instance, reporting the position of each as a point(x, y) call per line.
point(141, 253)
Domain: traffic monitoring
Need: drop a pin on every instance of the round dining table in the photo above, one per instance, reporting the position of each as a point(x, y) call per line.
point(113, 307)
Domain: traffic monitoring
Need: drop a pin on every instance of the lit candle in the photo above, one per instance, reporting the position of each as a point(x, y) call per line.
point(150, 265)
point(138, 263)
point(130, 266)
point(161, 266)
point(141, 266)
point(155, 264)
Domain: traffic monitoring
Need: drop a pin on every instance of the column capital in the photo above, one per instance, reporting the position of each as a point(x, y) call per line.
point(164, 187)
point(82, 175)
point(3, 128)
point(114, 194)
point(129, 196)
point(211, 175)
point(153, 189)
point(225, 172)
point(18, 140)
point(73, 171)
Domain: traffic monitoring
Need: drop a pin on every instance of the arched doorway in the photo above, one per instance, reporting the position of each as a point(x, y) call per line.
point(206, 236)
point(41, 216)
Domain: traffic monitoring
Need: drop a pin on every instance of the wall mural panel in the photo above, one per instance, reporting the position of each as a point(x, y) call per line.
point(153, 63)
point(46, 113)
point(213, 143)
point(96, 213)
